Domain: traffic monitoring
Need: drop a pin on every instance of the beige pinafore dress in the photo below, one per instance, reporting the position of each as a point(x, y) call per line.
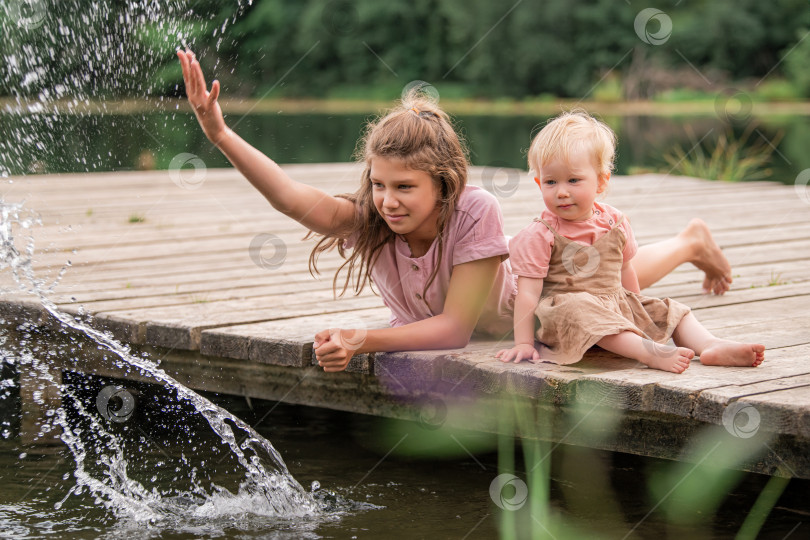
point(583, 299)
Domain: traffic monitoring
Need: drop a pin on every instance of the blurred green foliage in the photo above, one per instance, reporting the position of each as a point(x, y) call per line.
point(478, 48)
point(797, 62)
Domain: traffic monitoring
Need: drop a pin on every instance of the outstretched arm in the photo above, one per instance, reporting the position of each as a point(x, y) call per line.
point(470, 285)
point(313, 208)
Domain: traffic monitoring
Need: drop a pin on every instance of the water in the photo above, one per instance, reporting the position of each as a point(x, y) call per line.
point(606, 494)
point(114, 455)
point(111, 142)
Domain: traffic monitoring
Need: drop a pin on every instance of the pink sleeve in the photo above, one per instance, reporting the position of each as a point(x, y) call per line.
point(479, 231)
point(631, 247)
point(530, 251)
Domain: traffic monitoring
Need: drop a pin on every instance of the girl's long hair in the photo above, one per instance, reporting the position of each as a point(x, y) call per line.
point(420, 135)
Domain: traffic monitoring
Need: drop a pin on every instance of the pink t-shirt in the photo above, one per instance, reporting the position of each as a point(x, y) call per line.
point(475, 231)
point(530, 250)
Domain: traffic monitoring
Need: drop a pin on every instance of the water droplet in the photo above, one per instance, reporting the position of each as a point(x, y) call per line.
point(315, 486)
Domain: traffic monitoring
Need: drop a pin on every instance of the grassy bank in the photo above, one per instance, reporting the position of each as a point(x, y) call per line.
point(708, 106)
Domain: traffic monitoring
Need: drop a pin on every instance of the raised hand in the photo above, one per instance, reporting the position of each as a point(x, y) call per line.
point(203, 103)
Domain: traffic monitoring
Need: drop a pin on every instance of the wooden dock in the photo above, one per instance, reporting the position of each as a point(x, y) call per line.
point(164, 261)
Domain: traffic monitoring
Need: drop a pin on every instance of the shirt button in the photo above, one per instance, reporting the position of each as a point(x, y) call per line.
point(418, 296)
point(414, 267)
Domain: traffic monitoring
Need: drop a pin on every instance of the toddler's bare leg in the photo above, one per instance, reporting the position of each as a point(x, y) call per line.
point(694, 245)
point(654, 355)
point(714, 351)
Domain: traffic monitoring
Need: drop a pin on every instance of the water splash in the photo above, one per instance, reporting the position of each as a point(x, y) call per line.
point(61, 62)
point(104, 456)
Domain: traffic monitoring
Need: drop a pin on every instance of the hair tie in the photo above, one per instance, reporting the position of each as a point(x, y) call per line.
point(414, 109)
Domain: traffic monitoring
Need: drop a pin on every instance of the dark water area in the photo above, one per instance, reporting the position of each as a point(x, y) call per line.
point(112, 142)
point(410, 491)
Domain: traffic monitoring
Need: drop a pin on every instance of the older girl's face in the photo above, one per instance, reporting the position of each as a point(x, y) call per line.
point(405, 198)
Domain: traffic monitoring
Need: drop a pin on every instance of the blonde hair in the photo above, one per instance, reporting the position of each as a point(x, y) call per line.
point(421, 136)
point(570, 133)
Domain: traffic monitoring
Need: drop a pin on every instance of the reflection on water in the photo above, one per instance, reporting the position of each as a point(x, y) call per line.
point(112, 142)
point(606, 494)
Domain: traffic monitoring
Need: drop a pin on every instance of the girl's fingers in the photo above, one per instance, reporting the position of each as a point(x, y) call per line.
point(184, 67)
point(325, 350)
point(334, 368)
point(212, 97)
point(198, 74)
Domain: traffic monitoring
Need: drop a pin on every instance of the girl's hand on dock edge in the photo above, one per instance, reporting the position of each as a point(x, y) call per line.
point(522, 351)
point(332, 350)
point(203, 103)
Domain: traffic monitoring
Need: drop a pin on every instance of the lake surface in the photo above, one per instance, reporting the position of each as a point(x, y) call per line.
point(77, 143)
point(414, 494)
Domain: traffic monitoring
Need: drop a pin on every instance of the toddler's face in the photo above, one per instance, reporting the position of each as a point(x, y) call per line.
point(570, 188)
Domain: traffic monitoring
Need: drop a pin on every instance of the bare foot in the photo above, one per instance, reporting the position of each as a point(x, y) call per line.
point(668, 358)
point(708, 257)
point(732, 353)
